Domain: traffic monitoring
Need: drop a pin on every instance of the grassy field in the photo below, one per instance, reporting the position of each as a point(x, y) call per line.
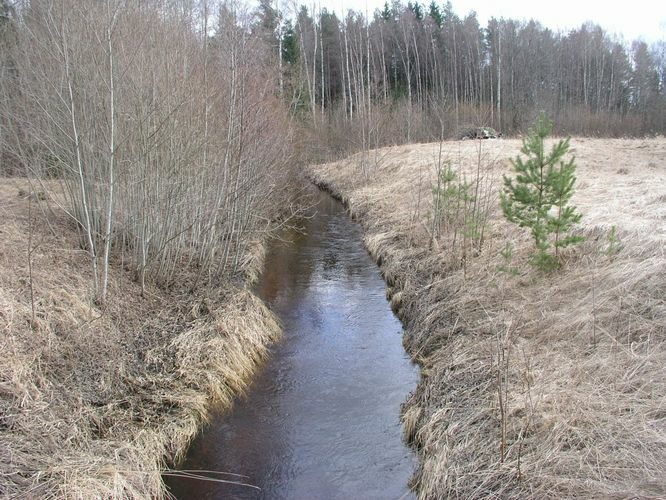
point(533, 385)
point(94, 403)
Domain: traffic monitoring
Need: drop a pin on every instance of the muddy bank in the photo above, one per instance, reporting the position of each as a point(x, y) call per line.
point(95, 403)
point(532, 386)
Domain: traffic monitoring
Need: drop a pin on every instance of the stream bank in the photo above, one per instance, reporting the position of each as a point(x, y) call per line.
point(94, 401)
point(534, 385)
point(322, 417)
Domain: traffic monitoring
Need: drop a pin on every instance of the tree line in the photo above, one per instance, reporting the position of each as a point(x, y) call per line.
point(433, 72)
point(173, 128)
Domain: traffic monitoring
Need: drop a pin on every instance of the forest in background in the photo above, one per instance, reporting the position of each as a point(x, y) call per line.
point(175, 127)
point(416, 73)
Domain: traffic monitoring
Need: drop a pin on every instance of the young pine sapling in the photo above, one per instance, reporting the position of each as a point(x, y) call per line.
point(538, 198)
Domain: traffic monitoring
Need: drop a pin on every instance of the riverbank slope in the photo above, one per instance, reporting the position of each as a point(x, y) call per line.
point(94, 402)
point(534, 385)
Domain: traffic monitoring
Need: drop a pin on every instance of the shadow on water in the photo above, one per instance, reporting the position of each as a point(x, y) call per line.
point(321, 419)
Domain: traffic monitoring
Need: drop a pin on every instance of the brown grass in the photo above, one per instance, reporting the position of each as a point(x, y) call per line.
point(533, 386)
point(94, 404)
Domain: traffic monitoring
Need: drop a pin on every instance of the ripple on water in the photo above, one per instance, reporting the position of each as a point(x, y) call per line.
point(321, 419)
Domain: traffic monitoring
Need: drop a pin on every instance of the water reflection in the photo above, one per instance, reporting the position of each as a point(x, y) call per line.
point(322, 417)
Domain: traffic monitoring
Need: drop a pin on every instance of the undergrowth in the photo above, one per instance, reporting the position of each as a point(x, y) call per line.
point(96, 403)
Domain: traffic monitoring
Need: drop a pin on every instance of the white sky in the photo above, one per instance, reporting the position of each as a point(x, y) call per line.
point(645, 19)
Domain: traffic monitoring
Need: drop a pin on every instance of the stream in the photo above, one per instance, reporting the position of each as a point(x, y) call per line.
point(321, 420)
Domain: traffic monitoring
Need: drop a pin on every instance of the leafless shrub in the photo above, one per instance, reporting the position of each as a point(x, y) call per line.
point(93, 405)
point(169, 142)
point(462, 201)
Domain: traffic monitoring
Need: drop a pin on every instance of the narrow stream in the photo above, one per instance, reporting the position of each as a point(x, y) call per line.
point(321, 419)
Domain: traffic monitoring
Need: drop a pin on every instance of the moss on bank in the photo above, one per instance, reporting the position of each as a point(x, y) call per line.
point(94, 403)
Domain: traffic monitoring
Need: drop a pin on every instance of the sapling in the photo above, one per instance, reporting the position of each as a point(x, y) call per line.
point(445, 195)
point(507, 257)
point(538, 197)
point(614, 243)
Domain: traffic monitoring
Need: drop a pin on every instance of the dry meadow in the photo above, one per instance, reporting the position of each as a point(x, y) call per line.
point(534, 385)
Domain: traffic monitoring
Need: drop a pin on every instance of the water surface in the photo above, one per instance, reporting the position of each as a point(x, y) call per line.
point(321, 419)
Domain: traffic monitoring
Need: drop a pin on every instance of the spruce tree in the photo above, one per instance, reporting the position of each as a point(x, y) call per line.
point(436, 14)
point(387, 13)
point(539, 195)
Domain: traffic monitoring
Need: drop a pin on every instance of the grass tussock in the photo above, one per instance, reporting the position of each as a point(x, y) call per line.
point(94, 404)
point(533, 385)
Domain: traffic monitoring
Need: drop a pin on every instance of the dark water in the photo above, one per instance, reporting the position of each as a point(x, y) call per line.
point(321, 420)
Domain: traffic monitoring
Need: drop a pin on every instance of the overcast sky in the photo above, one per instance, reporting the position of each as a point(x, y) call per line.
point(633, 19)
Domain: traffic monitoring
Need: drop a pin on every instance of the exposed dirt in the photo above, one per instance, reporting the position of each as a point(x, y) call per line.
point(94, 403)
point(534, 385)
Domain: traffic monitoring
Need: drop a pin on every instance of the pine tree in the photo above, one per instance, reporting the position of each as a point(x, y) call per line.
point(436, 14)
point(290, 52)
point(387, 13)
point(416, 9)
point(539, 195)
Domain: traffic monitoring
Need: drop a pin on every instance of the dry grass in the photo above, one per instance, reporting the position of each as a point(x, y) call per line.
point(94, 404)
point(534, 386)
